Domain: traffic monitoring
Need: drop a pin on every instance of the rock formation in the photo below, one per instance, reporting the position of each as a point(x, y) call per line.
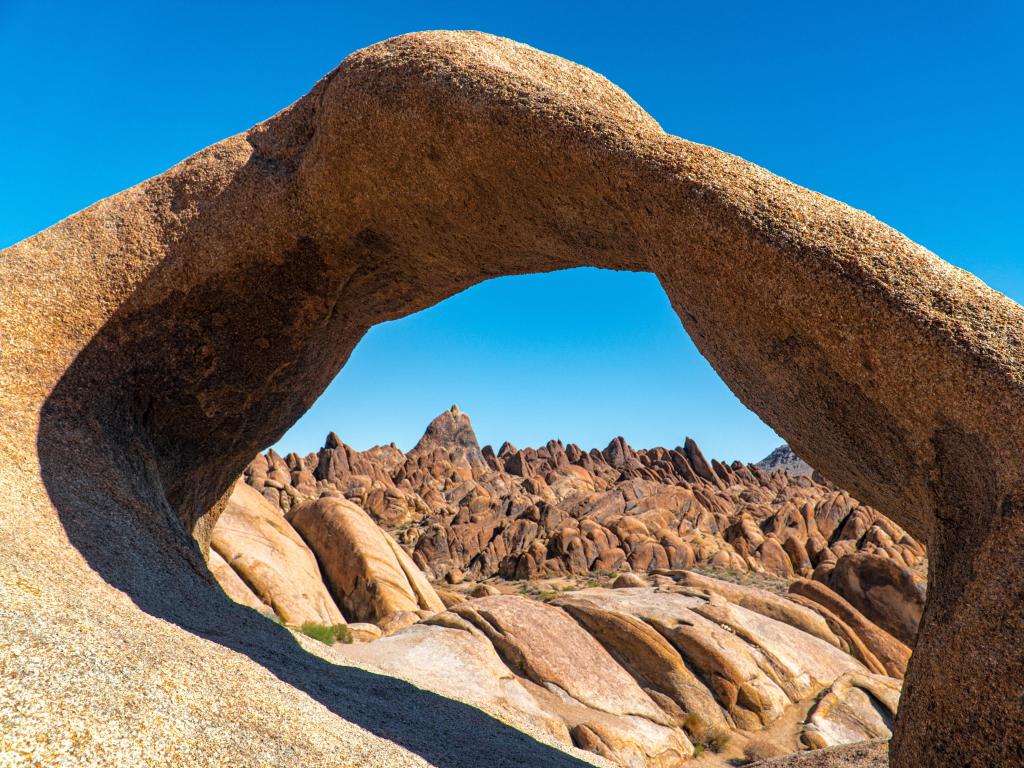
point(637, 675)
point(152, 343)
point(633, 674)
point(784, 458)
point(272, 560)
point(557, 510)
point(368, 573)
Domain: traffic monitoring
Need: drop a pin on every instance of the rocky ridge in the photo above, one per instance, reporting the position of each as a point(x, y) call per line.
point(785, 458)
point(469, 513)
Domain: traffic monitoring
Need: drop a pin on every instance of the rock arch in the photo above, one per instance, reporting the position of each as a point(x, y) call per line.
point(154, 341)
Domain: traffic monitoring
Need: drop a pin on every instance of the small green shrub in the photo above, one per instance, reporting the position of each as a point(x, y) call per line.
point(327, 634)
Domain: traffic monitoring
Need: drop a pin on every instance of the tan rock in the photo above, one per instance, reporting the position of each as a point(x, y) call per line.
point(857, 707)
point(367, 572)
point(576, 677)
point(271, 558)
point(887, 593)
point(457, 663)
point(396, 621)
point(548, 647)
point(364, 633)
point(233, 585)
point(738, 675)
point(649, 658)
point(629, 580)
point(764, 603)
point(893, 654)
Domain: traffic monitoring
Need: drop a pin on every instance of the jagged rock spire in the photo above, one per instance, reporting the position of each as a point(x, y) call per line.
point(453, 430)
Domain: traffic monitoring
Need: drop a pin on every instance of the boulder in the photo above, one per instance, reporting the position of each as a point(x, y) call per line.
point(544, 644)
point(887, 593)
point(629, 580)
point(893, 654)
point(762, 602)
point(367, 572)
point(272, 560)
point(607, 711)
point(856, 707)
point(233, 585)
point(458, 663)
point(650, 659)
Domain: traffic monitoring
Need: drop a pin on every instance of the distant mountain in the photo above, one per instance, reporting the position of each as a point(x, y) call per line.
point(784, 458)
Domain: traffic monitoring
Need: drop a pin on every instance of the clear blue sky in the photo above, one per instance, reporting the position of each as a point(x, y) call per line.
point(911, 111)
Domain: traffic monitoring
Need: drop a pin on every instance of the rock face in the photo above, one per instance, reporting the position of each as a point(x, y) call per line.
point(891, 596)
point(633, 674)
point(368, 573)
point(272, 560)
point(785, 459)
point(155, 341)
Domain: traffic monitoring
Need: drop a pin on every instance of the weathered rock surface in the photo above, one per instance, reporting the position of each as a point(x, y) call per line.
point(873, 754)
point(548, 647)
point(891, 596)
point(153, 342)
point(272, 560)
point(893, 654)
point(458, 663)
point(604, 708)
point(368, 573)
point(785, 459)
point(233, 585)
point(856, 707)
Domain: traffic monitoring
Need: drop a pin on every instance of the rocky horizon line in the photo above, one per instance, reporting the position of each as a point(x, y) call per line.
point(783, 456)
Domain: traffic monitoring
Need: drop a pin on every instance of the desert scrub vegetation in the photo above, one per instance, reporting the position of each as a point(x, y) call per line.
point(767, 582)
point(706, 738)
point(326, 633)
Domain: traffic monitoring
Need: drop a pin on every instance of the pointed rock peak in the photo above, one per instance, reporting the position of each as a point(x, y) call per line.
point(785, 458)
point(333, 441)
point(451, 430)
point(619, 453)
point(700, 464)
point(507, 449)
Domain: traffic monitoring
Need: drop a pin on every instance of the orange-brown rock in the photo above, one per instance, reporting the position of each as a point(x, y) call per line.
point(886, 592)
point(649, 658)
point(578, 678)
point(153, 342)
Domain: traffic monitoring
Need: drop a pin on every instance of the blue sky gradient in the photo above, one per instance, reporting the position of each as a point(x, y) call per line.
point(911, 111)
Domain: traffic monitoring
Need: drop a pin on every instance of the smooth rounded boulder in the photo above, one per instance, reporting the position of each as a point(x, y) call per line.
point(368, 573)
point(272, 560)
